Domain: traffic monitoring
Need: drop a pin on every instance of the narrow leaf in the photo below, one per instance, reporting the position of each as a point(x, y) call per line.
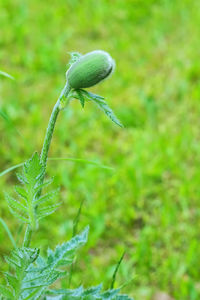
point(6, 75)
point(8, 232)
point(81, 97)
point(48, 196)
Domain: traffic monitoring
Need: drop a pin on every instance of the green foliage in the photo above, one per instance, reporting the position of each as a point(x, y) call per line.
point(83, 95)
point(33, 275)
point(30, 280)
point(151, 199)
point(30, 275)
point(31, 206)
point(86, 294)
point(2, 73)
point(18, 284)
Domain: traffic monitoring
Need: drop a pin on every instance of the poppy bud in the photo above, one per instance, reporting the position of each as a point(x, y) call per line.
point(90, 69)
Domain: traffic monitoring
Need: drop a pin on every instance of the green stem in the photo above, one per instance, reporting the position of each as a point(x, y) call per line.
point(27, 237)
point(46, 146)
point(51, 125)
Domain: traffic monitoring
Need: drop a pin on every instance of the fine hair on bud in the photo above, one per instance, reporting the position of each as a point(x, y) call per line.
point(90, 69)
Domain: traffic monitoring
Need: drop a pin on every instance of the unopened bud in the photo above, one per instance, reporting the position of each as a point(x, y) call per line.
point(90, 69)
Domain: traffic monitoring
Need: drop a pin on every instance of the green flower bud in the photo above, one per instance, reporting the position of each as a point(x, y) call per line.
point(90, 69)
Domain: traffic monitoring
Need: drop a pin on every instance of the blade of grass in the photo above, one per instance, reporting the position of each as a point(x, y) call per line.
point(74, 232)
point(79, 160)
point(11, 169)
point(8, 120)
point(8, 232)
point(20, 228)
point(116, 270)
point(76, 219)
point(6, 75)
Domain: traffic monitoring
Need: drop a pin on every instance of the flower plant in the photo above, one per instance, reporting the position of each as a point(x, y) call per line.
point(31, 275)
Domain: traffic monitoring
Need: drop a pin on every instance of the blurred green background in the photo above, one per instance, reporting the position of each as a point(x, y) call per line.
point(149, 204)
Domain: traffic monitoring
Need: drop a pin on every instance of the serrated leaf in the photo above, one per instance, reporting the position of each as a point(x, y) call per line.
point(102, 104)
point(67, 292)
point(20, 260)
point(61, 251)
point(47, 197)
point(46, 211)
point(88, 294)
point(27, 207)
point(12, 262)
point(14, 204)
point(44, 184)
point(34, 294)
point(33, 169)
point(95, 290)
point(11, 280)
point(108, 111)
point(21, 178)
point(21, 192)
point(19, 216)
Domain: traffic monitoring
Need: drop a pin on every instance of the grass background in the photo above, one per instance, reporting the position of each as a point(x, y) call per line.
point(149, 205)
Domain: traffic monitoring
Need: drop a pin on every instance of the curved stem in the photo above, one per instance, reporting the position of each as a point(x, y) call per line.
point(45, 148)
point(51, 125)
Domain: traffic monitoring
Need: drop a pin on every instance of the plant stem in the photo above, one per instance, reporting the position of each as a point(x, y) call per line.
point(45, 148)
point(51, 125)
point(27, 237)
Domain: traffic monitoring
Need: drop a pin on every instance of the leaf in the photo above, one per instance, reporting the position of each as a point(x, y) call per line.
point(46, 211)
point(66, 248)
point(21, 192)
point(67, 292)
point(19, 216)
point(22, 282)
point(81, 160)
point(11, 169)
point(92, 96)
point(102, 104)
point(21, 178)
point(33, 169)
point(4, 291)
point(27, 207)
point(93, 290)
point(11, 280)
point(88, 294)
point(116, 270)
point(14, 204)
point(81, 98)
point(8, 232)
point(108, 111)
point(123, 297)
point(47, 197)
point(44, 184)
point(6, 75)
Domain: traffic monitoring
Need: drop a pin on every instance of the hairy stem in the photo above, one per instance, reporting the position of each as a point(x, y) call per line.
point(45, 148)
point(51, 125)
